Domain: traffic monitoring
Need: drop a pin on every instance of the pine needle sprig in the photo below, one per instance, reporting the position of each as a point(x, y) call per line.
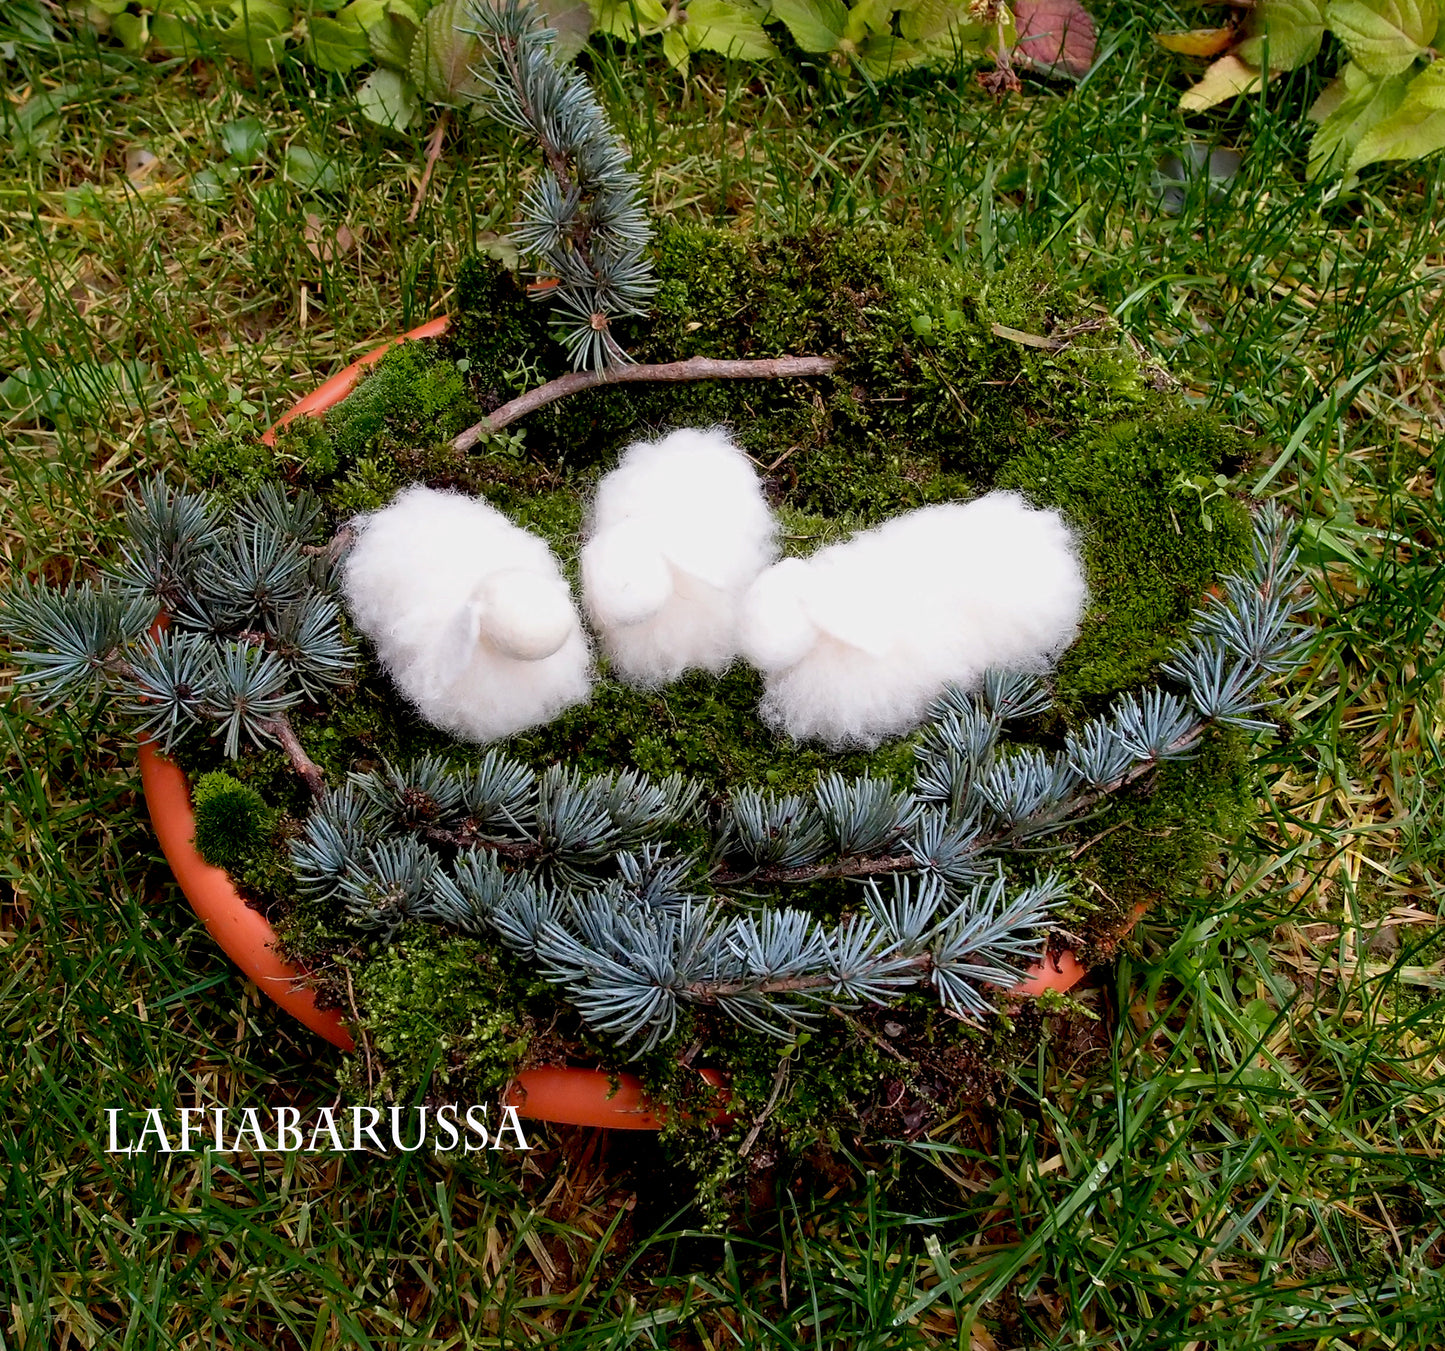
point(583, 222)
point(169, 690)
point(251, 627)
point(71, 640)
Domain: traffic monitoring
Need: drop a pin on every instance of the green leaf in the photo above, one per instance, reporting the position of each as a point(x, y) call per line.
point(1428, 87)
point(209, 185)
point(1292, 30)
point(1346, 111)
point(870, 16)
point(931, 20)
point(243, 140)
point(333, 45)
point(311, 171)
point(1383, 37)
point(37, 121)
point(441, 56)
point(257, 35)
point(816, 25)
point(132, 30)
point(675, 48)
point(630, 19)
point(882, 57)
point(571, 20)
point(729, 29)
point(391, 36)
point(1415, 129)
point(360, 15)
point(387, 98)
point(175, 36)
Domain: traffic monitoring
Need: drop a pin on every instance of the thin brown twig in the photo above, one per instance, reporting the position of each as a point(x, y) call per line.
point(433, 153)
point(280, 728)
point(360, 1030)
point(779, 1079)
point(694, 368)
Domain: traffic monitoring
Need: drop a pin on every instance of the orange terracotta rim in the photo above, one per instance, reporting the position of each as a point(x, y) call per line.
point(565, 1095)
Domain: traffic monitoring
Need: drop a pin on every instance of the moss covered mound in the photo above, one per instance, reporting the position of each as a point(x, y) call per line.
point(950, 383)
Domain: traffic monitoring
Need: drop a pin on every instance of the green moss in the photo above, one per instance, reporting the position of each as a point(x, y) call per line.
point(1148, 556)
point(441, 1008)
point(1154, 843)
point(233, 821)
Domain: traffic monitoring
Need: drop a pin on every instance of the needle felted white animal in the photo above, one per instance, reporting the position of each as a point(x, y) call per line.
point(856, 641)
point(469, 613)
point(677, 533)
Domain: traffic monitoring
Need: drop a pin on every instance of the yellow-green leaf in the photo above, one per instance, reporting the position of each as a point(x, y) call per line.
point(1197, 42)
point(729, 29)
point(629, 19)
point(675, 48)
point(1283, 34)
point(1428, 87)
point(1331, 96)
point(390, 37)
point(881, 57)
point(1383, 37)
point(1349, 115)
point(570, 22)
point(816, 25)
point(1227, 78)
point(1412, 131)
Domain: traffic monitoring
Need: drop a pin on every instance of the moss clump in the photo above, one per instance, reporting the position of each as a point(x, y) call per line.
point(1148, 556)
point(440, 1008)
point(233, 822)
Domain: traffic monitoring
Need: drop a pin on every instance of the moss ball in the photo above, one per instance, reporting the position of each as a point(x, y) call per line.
point(233, 821)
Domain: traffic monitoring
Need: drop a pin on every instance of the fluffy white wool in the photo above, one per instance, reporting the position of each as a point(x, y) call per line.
point(678, 532)
point(470, 614)
point(856, 641)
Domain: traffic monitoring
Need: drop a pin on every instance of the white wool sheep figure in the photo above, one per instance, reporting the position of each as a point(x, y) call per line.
point(857, 641)
point(678, 531)
point(470, 614)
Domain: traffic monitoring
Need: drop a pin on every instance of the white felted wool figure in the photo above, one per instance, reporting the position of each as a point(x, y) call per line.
point(470, 614)
point(678, 532)
point(856, 641)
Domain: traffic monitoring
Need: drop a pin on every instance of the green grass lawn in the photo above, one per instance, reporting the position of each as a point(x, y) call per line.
point(1236, 1140)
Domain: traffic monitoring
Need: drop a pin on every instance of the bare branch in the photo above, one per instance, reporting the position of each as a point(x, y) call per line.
point(280, 728)
point(694, 368)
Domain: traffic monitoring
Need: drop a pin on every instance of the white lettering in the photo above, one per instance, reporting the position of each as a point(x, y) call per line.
point(153, 1123)
point(187, 1127)
point(325, 1118)
point(448, 1124)
point(111, 1114)
point(369, 1130)
point(510, 1118)
point(288, 1133)
point(479, 1127)
point(396, 1131)
point(250, 1121)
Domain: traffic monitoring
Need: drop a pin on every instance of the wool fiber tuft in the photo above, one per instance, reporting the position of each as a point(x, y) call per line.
point(677, 533)
point(470, 614)
point(857, 641)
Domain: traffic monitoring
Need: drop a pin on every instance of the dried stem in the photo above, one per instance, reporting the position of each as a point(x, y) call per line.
point(433, 153)
point(280, 728)
point(468, 837)
point(694, 368)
